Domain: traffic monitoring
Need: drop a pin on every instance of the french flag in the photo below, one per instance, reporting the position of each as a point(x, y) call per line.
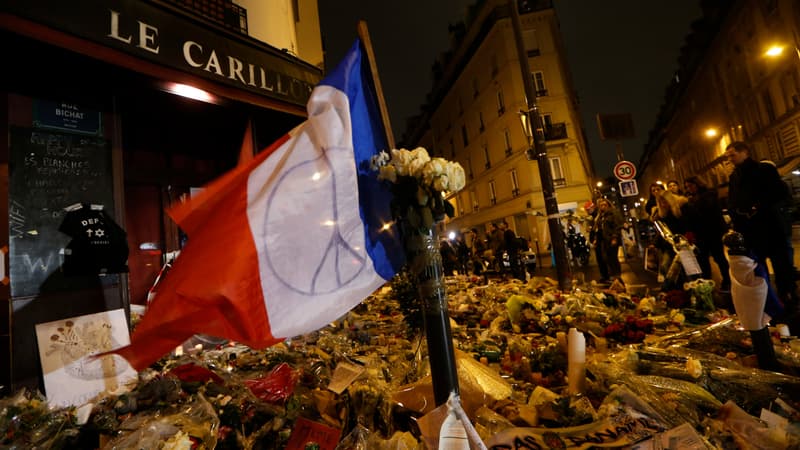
point(287, 242)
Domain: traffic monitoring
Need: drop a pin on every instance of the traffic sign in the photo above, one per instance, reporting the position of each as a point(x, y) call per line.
point(624, 170)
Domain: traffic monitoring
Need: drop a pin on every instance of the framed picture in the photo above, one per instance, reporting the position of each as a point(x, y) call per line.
point(628, 188)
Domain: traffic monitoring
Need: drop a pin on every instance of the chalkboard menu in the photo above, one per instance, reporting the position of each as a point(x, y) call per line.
point(50, 170)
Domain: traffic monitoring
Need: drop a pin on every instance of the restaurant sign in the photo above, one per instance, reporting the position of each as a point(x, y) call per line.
point(156, 34)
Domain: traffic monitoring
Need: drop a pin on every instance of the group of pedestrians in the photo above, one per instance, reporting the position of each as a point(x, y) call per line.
point(759, 204)
point(695, 213)
point(469, 253)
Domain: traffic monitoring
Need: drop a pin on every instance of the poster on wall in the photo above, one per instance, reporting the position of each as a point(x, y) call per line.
point(72, 376)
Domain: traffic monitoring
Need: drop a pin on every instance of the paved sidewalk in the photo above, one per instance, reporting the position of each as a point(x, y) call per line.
point(633, 273)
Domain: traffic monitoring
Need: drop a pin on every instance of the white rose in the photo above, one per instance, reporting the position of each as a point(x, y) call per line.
point(433, 169)
point(440, 183)
point(379, 160)
point(388, 173)
point(400, 160)
point(416, 167)
point(457, 177)
point(421, 154)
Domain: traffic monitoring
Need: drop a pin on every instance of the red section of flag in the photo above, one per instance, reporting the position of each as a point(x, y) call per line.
point(247, 151)
point(214, 287)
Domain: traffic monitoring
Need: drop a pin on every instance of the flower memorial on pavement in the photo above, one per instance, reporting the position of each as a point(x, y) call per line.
point(663, 370)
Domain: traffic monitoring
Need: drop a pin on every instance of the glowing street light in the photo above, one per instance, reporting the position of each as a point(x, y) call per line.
point(711, 132)
point(774, 51)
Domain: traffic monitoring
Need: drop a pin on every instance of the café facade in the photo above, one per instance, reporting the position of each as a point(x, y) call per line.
point(113, 111)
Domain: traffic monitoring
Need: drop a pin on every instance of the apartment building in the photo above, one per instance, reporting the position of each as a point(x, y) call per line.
point(739, 80)
point(473, 117)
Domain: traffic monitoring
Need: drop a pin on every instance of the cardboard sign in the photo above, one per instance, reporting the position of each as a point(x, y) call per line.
point(72, 376)
point(306, 432)
point(344, 374)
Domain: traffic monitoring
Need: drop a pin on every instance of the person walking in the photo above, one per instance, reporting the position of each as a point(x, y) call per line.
point(477, 254)
point(497, 246)
point(756, 200)
point(511, 244)
point(674, 187)
point(669, 211)
point(629, 240)
point(607, 237)
point(705, 228)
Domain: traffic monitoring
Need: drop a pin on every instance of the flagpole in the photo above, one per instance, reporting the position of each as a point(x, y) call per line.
point(366, 42)
point(425, 262)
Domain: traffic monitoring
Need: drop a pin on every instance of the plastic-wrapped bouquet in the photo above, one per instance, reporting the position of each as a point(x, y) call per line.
point(419, 182)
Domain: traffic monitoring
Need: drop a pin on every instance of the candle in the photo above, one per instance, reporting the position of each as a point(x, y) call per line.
point(576, 361)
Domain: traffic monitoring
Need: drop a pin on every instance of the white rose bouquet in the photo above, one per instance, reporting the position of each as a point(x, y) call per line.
point(419, 184)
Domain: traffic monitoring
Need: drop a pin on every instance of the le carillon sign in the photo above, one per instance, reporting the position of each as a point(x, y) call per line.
point(150, 32)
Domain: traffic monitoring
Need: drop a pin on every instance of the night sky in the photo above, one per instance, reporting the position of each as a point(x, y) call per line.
point(622, 54)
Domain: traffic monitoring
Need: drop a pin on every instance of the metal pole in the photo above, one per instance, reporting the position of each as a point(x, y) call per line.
point(540, 149)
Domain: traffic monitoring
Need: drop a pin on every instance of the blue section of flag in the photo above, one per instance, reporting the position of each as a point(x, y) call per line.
point(352, 77)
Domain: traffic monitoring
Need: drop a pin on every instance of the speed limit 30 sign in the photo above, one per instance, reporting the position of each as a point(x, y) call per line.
point(624, 170)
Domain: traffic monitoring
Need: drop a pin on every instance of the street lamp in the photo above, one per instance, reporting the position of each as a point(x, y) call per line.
point(776, 50)
point(711, 132)
point(531, 122)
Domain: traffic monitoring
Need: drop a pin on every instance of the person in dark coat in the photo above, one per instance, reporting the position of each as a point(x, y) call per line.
point(706, 226)
point(607, 233)
point(511, 244)
point(757, 198)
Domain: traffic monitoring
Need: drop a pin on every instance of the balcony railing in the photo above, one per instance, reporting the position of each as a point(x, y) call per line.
point(541, 92)
point(221, 12)
point(559, 182)
point(555, 131)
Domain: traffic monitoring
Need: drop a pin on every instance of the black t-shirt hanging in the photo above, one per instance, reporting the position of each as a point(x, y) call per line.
point(98, 244)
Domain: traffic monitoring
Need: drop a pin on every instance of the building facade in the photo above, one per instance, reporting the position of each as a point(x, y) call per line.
point(739, 80)
point(128, 106)
point(473, 117)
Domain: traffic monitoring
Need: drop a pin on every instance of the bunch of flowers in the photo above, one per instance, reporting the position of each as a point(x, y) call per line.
point(419, 183)
point(632, 331)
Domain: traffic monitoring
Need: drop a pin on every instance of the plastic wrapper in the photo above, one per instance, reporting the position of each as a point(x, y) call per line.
point(276, 386)
point(195, 421)
point(749, 432)
point(27, 422)
point(488, 423)
point(398, 441)
point(356, 440)
point(752, 389)
point(624, 420)
point(479, 386)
